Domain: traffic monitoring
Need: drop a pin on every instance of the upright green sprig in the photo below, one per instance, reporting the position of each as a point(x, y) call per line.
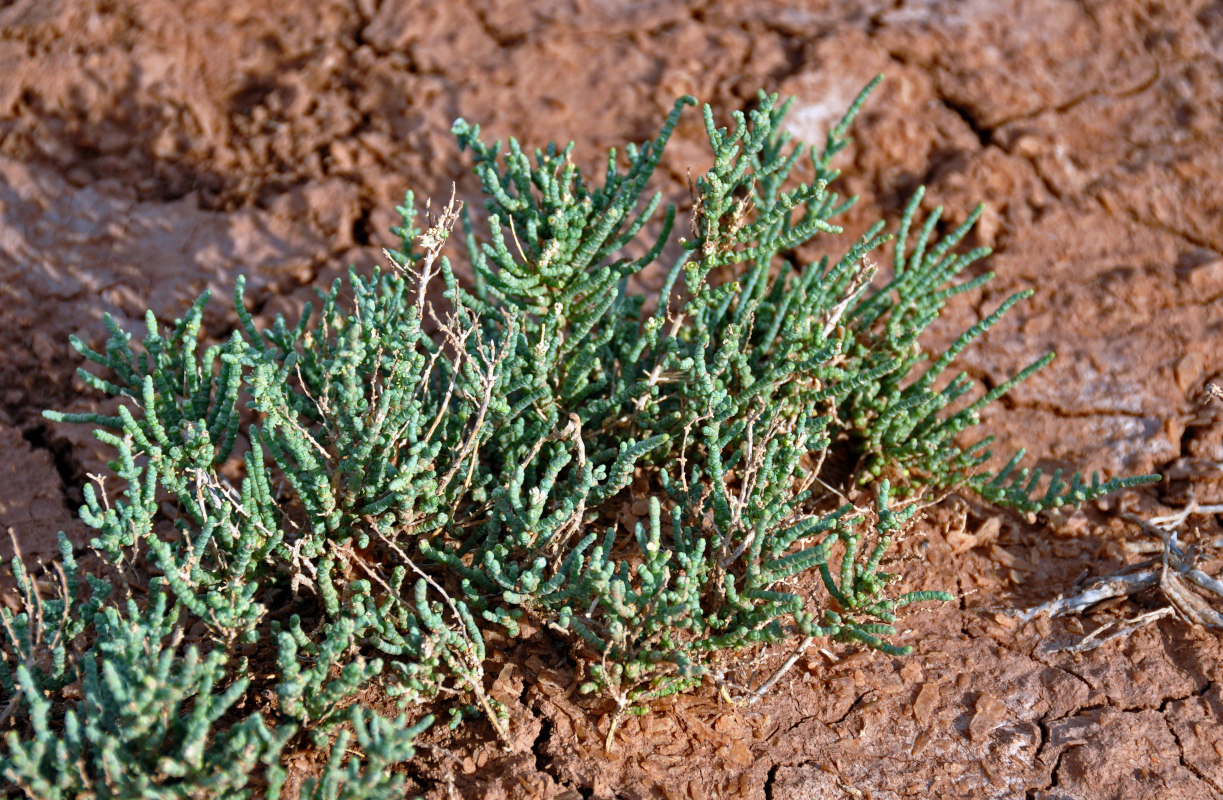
point(39, 636)
point(146, 723)
point(384, 742)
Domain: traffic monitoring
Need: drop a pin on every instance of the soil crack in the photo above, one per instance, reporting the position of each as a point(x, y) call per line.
point(61, 458)
point(770, 780)
point(983, 132)
point(1163, 227)
point(852, 708)
point(1180, 746)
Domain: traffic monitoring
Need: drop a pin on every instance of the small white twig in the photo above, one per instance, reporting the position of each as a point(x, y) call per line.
point(861, 279)
point(1090, 642)
point(1172, 521)
point(782, 670)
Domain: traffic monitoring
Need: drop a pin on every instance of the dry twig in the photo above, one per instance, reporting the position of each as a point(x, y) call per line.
point(1174, 572)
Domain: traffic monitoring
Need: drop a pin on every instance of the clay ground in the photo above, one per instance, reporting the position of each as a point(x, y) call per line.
point(152, 148)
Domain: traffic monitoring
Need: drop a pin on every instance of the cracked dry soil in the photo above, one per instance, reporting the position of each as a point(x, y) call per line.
point(150, 149)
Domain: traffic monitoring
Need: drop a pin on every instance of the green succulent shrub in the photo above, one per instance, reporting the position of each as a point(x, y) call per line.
point(352, 499)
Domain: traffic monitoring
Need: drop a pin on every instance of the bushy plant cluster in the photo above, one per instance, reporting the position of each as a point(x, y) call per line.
point(345, 503)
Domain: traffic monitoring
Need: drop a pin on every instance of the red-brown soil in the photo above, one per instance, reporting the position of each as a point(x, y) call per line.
point(152, 148)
